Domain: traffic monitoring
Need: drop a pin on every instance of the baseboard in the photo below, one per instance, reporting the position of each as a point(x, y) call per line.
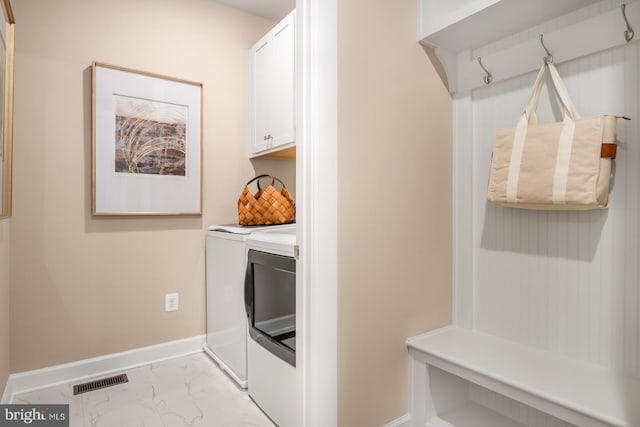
point(8, 392)
point(403, 421)
point(103, 365)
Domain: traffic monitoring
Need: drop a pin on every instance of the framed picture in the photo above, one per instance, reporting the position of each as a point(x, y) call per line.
point(147, 143)
point(7, 29)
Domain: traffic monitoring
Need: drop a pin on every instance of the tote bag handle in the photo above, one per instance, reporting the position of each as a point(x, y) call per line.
point(528, 117)
point(529, 114)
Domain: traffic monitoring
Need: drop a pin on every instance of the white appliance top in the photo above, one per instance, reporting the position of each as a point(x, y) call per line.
point(230, 228)
point(244, 229)
point(280, 241)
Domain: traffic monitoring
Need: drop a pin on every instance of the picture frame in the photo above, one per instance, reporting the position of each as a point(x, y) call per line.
point(147, 143)
point(7, 52)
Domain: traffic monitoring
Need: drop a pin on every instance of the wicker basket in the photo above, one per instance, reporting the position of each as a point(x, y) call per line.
point(266, 207)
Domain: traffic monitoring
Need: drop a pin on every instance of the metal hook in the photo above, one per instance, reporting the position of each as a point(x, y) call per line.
point(549, 58)
point(488, 78)
point(628, 33)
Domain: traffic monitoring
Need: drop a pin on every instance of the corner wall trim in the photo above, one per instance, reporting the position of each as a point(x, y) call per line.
point(102, 365)
point(403, 421)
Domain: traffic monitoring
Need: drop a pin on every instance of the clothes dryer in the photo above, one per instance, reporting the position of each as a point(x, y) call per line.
point(270, 302)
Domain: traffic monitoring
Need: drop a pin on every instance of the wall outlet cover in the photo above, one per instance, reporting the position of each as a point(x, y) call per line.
point(171, 302)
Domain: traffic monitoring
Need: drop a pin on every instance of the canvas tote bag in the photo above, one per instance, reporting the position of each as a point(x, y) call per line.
point(555, 166)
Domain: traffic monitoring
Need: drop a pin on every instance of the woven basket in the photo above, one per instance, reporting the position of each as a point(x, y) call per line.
point(266, 207)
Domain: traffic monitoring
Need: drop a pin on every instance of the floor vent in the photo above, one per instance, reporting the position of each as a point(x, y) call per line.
point(98, 384)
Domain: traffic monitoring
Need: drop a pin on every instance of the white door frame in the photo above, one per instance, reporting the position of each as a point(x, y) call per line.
point(316, 183)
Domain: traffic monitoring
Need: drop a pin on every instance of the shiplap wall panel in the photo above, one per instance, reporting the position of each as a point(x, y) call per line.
point(629, 253)
point(563, 281)
point(517, 411)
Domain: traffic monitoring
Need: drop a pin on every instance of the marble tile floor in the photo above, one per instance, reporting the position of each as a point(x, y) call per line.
point(185, 391)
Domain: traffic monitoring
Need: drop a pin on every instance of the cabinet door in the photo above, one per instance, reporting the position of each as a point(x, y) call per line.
point(272, 89)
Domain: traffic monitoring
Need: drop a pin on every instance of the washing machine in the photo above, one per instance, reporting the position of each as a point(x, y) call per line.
point(270, 304)
point(226, 340)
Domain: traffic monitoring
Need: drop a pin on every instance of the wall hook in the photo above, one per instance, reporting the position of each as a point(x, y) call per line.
point(628, 33)
point(549, 58)
point(487, 78)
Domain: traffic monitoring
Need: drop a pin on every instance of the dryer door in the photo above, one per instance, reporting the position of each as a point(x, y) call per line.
point(270, 303)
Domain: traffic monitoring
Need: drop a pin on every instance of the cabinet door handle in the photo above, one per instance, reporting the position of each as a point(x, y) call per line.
point(268, 136)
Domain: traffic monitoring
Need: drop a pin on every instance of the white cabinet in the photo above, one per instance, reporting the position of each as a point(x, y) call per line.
point(272, 90)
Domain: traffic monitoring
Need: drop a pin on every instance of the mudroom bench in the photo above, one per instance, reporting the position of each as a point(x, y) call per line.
point(463, 378)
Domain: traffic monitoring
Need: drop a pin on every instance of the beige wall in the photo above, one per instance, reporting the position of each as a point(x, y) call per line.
point(84, 286)
point(394, 235)
point(5, 229)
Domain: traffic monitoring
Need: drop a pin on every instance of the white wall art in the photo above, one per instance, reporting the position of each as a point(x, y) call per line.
point(147, 143)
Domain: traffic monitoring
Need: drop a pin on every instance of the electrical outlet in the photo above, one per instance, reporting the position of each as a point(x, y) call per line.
point(171, 302)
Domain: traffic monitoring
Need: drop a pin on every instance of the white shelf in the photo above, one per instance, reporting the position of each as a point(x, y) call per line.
point(472, 415)
point(454, 28)
point(468, 24)
point(560, 386)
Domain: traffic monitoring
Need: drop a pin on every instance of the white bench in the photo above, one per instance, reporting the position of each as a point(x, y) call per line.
point(447, 363)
